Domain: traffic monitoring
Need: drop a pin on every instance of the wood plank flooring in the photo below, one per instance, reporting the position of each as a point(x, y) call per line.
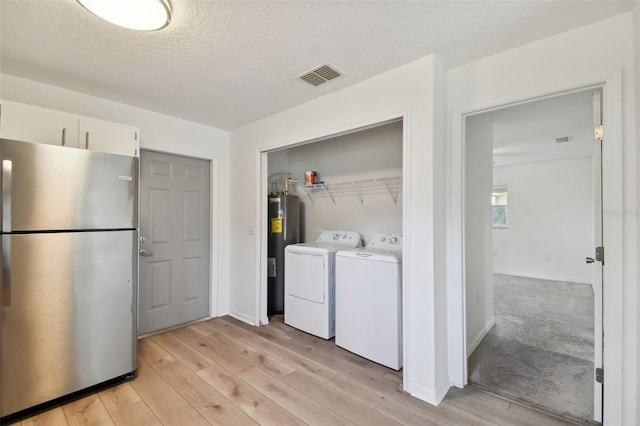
point(225, 372)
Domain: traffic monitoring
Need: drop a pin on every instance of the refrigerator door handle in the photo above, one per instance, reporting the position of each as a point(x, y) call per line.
point(6, 271)
point(7, 171)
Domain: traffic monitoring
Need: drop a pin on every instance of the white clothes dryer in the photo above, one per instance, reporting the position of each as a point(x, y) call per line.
point(309, 282)
point(369, 300)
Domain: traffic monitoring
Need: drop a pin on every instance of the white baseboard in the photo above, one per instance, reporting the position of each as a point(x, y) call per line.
point(243, 317)
point(543, 276)
point(432, 396)
point(474, 344)
point(219, 313)
point(441, 391)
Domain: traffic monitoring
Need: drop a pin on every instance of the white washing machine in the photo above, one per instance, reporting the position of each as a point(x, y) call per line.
point(369, 300)
point(309, 282)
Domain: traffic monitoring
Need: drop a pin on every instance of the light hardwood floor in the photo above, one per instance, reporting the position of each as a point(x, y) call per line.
point(225, 372)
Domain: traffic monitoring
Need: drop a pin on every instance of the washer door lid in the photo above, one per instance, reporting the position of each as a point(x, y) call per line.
point(305, 276)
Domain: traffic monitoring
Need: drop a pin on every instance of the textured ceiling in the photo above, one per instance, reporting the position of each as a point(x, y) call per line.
point(228, 63)
point(527, 132)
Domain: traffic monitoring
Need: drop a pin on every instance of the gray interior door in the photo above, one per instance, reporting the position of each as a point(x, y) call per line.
point(174, 240)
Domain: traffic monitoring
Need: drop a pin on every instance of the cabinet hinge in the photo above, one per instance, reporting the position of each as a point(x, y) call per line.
point(598, 132)
point(600, 375)
point(600, 254)
point(136, 135)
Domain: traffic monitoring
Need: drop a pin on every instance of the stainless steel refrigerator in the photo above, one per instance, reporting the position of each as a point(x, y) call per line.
point(69, 273)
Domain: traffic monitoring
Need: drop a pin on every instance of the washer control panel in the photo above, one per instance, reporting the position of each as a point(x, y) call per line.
point(387, 241)
point(345, 238)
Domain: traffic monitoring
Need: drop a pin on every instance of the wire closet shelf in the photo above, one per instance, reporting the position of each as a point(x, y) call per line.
point(357, 188)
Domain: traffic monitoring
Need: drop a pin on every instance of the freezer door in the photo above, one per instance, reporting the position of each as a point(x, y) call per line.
point(69, 312)
point(47, 187)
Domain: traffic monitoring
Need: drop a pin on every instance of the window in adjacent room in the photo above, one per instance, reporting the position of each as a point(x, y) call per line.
point(499, 206)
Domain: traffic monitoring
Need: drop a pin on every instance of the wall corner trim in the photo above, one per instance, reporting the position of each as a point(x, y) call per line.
point(432, 396)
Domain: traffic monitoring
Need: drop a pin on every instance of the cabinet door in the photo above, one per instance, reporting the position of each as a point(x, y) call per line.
point(40, 125)
point(106, 136)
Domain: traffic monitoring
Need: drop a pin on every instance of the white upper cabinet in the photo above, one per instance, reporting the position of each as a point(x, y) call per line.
point(41, 125)
point(106, 136)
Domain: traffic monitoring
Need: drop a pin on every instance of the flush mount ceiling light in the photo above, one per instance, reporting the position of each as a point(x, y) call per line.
point(144, 15)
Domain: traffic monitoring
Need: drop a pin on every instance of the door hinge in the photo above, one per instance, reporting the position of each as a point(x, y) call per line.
point(600, 254)
point(600, 375)
point(598, 132)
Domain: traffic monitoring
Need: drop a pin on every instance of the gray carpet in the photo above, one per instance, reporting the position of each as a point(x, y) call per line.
point(540, 351)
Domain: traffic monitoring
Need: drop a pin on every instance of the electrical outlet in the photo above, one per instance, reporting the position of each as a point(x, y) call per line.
point(548, 258)
point(495, 253)
point(252, 230)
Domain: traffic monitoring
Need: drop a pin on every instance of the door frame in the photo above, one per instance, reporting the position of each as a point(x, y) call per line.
point(262, 185)
point(214, 225)
point(595, 188)
point(612, 181)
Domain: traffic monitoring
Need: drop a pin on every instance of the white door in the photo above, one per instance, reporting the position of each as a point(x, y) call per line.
point(597, 265)
point(174, 240)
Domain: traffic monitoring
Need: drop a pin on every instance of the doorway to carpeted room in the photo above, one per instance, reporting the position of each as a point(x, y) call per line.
point(540, 350)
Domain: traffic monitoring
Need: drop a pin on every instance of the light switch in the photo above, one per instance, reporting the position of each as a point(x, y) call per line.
point(252, 230)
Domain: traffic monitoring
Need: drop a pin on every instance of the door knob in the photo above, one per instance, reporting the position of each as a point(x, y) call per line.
point(144, 252)
point(590, 260)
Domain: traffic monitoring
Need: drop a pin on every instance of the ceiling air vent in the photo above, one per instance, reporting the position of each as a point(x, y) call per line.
point(563, 139)
point(320, 75)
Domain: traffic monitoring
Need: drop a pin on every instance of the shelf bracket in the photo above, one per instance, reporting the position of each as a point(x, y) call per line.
point(305, 195)
point(394, 197)
point(326, 191)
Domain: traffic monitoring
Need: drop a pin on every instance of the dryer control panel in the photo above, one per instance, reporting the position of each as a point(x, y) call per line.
point(346, 238)
point(387, 241)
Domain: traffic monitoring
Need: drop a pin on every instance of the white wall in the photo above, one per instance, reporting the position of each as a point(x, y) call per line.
point(550, 221)
point(631, 368)
point(478, 270)
point(416, 93)
point(554, 65)
point(158, 132)
point(365, 154)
